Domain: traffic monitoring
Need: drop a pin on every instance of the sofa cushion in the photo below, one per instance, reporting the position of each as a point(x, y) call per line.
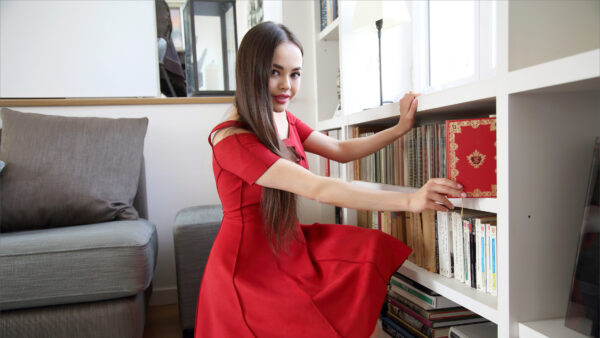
point(64, 171)
point(76, 264)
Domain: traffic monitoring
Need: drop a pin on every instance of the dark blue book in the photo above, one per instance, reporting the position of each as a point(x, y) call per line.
point(394, 329)
point(323, 4)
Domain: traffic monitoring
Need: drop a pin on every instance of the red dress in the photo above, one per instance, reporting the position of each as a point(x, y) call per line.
point(331, 283)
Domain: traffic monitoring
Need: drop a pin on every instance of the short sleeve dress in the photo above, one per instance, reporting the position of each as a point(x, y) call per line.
point(330, 283)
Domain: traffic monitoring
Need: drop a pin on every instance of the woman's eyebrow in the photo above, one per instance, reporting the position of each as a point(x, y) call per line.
point(281, 67)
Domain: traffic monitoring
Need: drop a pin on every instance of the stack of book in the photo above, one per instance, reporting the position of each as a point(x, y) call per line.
point(457, 247)
point(415, 311)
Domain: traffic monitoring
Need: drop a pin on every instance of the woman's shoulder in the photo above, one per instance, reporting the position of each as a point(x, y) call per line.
point(228, 129)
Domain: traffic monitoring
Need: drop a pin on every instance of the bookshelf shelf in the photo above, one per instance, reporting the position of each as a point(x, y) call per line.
point(385, 112)
point(332, 123)
point(565, 74)
point(481, 204)
point(331, 32)
point(477, 301)
point(474, 96)
point(548, 328)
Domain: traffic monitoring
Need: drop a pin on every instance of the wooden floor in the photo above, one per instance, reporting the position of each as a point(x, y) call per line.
point(162, 322)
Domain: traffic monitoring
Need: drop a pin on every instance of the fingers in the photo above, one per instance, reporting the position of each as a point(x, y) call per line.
point(409, 103)
point(439, 207)
point(413, 106)
point(436, 191)
point(411, 96)
point(446, 187)
point(439, 201)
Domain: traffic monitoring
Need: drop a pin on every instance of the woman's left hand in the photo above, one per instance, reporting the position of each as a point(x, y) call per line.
point(408, 107)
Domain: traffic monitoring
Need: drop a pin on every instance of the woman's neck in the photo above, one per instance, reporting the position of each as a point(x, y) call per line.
point(281, 124)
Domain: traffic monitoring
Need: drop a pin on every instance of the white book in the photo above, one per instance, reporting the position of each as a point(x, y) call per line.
point(457, 240)
point(375, 220)
point(480, 276)
point(444, 244)
point(466, 227)
point(428, 299)
point(492, 287)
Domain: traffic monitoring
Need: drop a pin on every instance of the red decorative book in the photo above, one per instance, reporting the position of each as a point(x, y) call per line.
point(471, 155)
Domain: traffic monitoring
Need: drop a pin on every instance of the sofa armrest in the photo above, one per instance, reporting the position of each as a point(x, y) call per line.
point(194, 232)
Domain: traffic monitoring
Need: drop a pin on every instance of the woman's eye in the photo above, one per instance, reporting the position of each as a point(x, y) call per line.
point(295, 75)
point(274, 72)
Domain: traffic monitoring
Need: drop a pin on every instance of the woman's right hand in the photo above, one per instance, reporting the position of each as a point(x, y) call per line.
point(408, 108)
point(433, 195)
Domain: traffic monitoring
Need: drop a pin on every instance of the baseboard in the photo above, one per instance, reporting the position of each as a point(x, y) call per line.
point(164, 296)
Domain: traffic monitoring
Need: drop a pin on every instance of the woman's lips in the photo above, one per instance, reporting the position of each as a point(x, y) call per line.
point(282, 98)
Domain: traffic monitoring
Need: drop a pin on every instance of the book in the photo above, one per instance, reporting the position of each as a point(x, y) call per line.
point(492, 287)
point(323, 7)
point(444, 244)
point(434, 333)
point(432, 314)
point(480, 255)
point(394, 329)
point(471, 155)
point(423, 324)
point(466, 228)
point(473, 263)
point(419, 294)
point(458, 246)
point(429, 245)
point(488, 330)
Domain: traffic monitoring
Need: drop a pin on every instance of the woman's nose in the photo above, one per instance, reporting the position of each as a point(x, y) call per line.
point(284, 83)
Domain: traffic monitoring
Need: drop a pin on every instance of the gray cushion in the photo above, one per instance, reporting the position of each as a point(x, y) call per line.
point(76, 264)
point(68, 170)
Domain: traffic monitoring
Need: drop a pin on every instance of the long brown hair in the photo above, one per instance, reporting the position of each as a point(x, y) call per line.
point(254, 64)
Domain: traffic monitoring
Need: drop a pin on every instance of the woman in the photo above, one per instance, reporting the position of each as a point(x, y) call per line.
point(267, 275)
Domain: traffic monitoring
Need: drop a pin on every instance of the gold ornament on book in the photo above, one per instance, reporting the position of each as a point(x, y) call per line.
point(476, 159)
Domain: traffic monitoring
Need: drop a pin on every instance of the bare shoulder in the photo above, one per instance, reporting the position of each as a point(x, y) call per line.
point(221, 134)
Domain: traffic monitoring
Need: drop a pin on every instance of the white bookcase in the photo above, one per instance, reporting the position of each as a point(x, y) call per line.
point(546, 97)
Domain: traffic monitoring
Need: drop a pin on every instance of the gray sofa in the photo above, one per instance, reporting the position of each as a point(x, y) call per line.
point(83, 279)
point(193, 234)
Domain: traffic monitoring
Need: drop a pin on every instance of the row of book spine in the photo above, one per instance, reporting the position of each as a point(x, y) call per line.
point(329, 12)
point(332, 168)
point(454, 246)
point(410, 161)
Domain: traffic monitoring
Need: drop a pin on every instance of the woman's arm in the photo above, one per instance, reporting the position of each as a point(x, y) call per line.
point(288, 176)
point(353, 149)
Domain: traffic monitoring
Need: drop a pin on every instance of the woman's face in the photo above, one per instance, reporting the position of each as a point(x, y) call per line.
point(285, 75)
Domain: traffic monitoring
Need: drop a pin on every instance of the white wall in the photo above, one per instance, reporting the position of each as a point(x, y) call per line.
point(100, 48)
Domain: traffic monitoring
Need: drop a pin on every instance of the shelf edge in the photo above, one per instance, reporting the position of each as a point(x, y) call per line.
point(331, 32)
point(477, 301)
point(569, 69)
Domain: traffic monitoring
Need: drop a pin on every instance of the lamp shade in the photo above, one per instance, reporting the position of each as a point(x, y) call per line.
point(367, 12)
